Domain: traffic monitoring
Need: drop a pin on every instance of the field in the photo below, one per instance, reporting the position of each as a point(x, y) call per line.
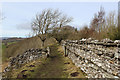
point(4, 49)
point(20, 47)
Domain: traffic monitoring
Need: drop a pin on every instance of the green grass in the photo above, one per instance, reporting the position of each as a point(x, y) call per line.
point(3, 52)
point(20, 47)
point(4, 47)
point(28, 43)
point(11, 43)
point(4, 58)
point(52, 67)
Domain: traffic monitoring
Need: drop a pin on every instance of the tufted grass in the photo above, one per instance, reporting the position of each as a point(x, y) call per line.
point(52, 67)
point(4, 58)
point(20, 47)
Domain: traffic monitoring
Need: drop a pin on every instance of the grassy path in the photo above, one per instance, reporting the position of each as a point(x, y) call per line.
point(53, 66)
point(56, 66)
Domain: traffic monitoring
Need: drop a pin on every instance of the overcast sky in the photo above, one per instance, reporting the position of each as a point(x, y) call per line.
point(20, 14)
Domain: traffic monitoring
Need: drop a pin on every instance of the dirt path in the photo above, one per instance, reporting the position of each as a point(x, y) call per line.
point(53, 66)
point(57, 66)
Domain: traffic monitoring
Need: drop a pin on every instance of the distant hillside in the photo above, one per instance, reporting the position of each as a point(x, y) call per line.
point(3, 38)
point(11, 39)
point(23, 45)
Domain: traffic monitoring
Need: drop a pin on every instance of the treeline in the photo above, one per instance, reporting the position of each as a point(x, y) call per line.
point(53, 23)
point(101, 26)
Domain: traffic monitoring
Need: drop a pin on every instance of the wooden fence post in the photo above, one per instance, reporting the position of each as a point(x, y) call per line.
point(48, 53)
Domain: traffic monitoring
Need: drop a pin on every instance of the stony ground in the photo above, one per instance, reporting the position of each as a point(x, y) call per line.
point(56, 66)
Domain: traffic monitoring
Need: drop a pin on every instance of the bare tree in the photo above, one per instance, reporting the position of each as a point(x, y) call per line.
point(47, 20)
point(98, 20)
point(111, 26)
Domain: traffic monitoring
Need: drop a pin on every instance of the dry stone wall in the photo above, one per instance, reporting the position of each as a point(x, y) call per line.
point(98, 59)
point(28, 56)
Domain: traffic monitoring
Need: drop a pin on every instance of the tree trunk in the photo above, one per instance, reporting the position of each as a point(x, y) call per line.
point(42, 43)
point(43, 40)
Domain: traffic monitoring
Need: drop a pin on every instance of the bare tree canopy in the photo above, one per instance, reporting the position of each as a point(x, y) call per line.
point(49, 19)
point(98, 20)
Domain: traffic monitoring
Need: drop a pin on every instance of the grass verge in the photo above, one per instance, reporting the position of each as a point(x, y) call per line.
point(53, 67)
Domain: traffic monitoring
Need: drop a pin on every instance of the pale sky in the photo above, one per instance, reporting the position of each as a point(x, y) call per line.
point(20, 14)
